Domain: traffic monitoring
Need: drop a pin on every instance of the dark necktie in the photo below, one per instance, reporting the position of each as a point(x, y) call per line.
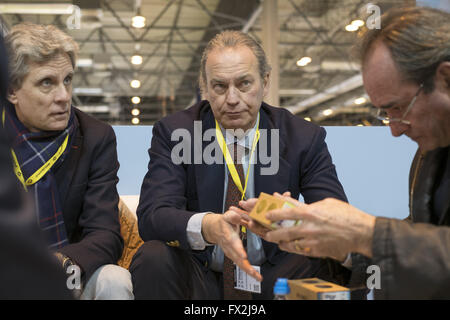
point(232, 199)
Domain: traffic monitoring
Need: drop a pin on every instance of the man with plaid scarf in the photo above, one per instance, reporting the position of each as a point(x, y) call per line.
point(65, 160)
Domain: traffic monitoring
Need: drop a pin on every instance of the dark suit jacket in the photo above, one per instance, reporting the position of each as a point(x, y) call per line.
point(171, 193)
point(87, 182)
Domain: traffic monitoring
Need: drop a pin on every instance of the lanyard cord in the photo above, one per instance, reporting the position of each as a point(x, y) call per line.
point(229, 159)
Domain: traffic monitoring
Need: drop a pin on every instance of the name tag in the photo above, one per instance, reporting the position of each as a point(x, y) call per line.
point(244, 282)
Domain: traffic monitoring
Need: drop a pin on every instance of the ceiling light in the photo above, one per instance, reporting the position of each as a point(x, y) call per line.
point(136, 59)
point(360, 125)
point(135, 112)
point(307, 119)
point(37, 8)
point(294, 92)
point(88, 91)
point(94, 109)
point(135, 121)
point(304, 61)
point(351, 28)
point(136, 100)
point(138, 21)
point(82, 63)
point(135, 84)
point(358, 23)
point(327, 112)
point(361, 100)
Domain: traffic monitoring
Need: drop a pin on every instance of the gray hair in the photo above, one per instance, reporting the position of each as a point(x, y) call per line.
point(233, 39)
point(29, 43)
point(418, 39)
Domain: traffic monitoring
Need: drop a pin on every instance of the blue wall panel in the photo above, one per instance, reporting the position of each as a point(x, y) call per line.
point(372, 165)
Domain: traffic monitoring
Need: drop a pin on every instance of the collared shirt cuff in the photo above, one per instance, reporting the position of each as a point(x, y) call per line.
point(194, 232)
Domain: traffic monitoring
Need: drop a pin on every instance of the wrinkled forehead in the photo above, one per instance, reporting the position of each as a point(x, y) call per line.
point(57, 65)
point(231, 62)
point(381, 77)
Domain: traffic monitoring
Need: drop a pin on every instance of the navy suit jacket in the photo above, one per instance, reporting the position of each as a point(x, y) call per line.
point(172, 193)
point(87, 182)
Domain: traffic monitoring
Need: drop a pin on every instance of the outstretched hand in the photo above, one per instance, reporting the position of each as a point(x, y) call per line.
point(223, 230)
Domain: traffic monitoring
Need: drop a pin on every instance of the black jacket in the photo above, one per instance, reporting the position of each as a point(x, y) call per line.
point(87, 182)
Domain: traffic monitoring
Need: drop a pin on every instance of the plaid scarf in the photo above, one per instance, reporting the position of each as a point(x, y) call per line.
point(33, 150)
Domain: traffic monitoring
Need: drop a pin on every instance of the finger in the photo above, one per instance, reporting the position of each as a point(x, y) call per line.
point(242, 213)
point(288, 198)
point(234, 249)
point(296, 213)
point(284, 234)
point(249, 204)
point(257, 228)
point(247, 268)
point(240, 259)
point(250, 224)
point(232, 217)
point(299, 246)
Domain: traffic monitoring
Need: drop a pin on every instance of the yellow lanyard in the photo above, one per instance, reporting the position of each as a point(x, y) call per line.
point(229, 160)
point(35, 177)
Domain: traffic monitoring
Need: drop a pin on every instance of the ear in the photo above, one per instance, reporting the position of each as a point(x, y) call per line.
point(204, 93)
point(442, 79)
point(12, 96)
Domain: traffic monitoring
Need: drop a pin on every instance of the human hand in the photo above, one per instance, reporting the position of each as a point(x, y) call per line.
point(247, 221)
point(223, 230)
point(329, 228)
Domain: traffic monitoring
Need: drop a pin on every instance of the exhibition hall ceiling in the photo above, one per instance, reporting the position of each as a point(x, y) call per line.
point(328, 90)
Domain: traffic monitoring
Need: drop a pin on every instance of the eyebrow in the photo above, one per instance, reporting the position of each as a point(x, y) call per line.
point(51, 76)
point(243, 77)
point(389, 105)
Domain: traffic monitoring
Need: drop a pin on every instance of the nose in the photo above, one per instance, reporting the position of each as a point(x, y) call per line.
point(232, 96)
point(398, 128)
point(63, 94)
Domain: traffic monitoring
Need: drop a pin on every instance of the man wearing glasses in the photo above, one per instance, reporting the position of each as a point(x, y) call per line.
point(406, 72)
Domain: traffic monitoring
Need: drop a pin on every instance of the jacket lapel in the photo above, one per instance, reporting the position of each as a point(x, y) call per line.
point(209, 177)
point(276, 180)
point(66, 172)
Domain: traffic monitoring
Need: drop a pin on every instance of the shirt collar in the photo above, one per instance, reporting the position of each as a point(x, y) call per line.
point(245, 140)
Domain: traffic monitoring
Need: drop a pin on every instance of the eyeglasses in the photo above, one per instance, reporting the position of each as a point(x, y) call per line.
point(382, 114)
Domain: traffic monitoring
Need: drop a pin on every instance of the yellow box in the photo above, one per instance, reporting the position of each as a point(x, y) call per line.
point(316, 289)
point(266, 203)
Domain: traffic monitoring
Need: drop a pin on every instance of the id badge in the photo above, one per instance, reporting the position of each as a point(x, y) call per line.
point(244, 282)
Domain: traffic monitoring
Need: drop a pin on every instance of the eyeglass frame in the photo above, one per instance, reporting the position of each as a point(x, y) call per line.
point(402, 119)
